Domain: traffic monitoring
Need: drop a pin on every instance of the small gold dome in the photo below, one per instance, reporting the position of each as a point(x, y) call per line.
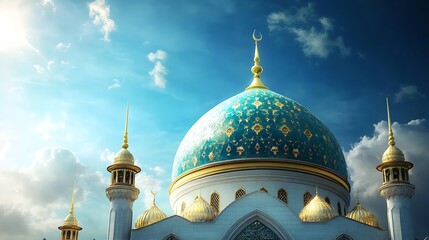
point(393, 154)
point(70, 220)
point(152, 215)
point(200, 211)
point(317, 210)
point(360, 214)
point(124, 156)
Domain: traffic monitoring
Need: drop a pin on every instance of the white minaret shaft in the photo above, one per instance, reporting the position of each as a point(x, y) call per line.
point(122, 191)
point(396, 189)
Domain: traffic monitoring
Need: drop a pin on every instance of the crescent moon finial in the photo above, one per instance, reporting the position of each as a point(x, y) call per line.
point(153, 192)
point(255, 38)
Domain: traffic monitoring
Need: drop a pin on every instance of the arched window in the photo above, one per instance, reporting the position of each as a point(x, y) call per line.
point(120, 176)
point(127, 176)
point(395, 174)
point(183, 207)
point(307, 198)
point(68, 234)
point(240, 192)
point(282, 195)
point(387, 175)
point(344, 237)
point(327, 200)
point(215, 201)
point(403, 174)
point(171, 237)
point(113, 177)
point(263, 190)
point(339, 208)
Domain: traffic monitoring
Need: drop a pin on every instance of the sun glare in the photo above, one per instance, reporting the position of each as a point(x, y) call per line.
point(12, 34)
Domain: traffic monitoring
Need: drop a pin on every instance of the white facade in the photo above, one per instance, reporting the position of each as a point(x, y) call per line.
point(262, 207)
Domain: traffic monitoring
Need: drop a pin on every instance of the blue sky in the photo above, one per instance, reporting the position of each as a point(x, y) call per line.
point(69, 68)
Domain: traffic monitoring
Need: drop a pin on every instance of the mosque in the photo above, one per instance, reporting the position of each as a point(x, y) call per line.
point(257, 166)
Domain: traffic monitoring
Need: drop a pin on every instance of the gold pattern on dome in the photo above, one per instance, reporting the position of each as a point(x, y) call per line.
point(194, 161)
point(308, 134)
point(284, 129)
point(240, 150)
point(257, 128)
point(295, 152)
point(279, 104)
point(257, 147)
point(235, 106)
point(228, 149)
point(297, 108)
point(325, 159)
point(211, 156)
point(257, 103)
point(275, 150)
point(229, 131)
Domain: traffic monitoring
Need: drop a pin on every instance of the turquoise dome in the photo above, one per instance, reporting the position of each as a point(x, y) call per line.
point(258, 124)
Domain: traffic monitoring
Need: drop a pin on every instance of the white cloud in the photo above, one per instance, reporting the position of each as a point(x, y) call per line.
point(47, 127)
point(158, 55)
point(326, 23)
point(64, 62)
point(100, 12)
point(159, 171)
point(39, 69)
point(36, 193)
point(50, 3)
point(115, 84)
point(107, 155)
point(366, 154)
point(147, 183)
point(4, 145)
point(312, 32)
point(63, 46)
point(408, 92)
point(50, 64)
point(159, 71)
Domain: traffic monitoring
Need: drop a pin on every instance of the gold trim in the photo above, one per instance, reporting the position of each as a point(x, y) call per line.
point(257, 164)
point(123, 166)
point(383, 165)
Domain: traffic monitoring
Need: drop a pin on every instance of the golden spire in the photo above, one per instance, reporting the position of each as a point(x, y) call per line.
point(154, 195)
point(256, 68)
point(72, 202)
point(391, 138)
point(125, 144)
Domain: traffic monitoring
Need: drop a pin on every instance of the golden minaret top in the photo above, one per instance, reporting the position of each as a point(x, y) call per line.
point(391, 138)
point(125, 144)
point(256, 68)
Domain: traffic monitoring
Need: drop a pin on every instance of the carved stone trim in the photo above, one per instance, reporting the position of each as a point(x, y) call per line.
point(396, 189)
point(122, 192)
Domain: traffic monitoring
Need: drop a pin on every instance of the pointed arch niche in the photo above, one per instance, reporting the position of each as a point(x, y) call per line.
point(268, 228)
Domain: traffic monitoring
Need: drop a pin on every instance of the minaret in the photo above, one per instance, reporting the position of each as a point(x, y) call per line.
point(122, 191)
point(396, 189)
point(70, 228)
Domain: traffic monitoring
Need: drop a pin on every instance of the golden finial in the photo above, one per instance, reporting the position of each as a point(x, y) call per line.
point(391, 138)
point(256, 68)
point(125, 144)
point(317, 191)
point(154, 194)
point(72, 202)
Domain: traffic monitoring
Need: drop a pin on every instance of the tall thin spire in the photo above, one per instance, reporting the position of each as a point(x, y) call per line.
point(125, 144)
point(357, 197)
point(72, 201)
point(256, 68)
point(154, 196)
point(391, 138)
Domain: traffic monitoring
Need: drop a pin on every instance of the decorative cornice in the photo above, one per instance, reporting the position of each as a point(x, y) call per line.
point(396, 189)
point(122, 192)
point(255, 164)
